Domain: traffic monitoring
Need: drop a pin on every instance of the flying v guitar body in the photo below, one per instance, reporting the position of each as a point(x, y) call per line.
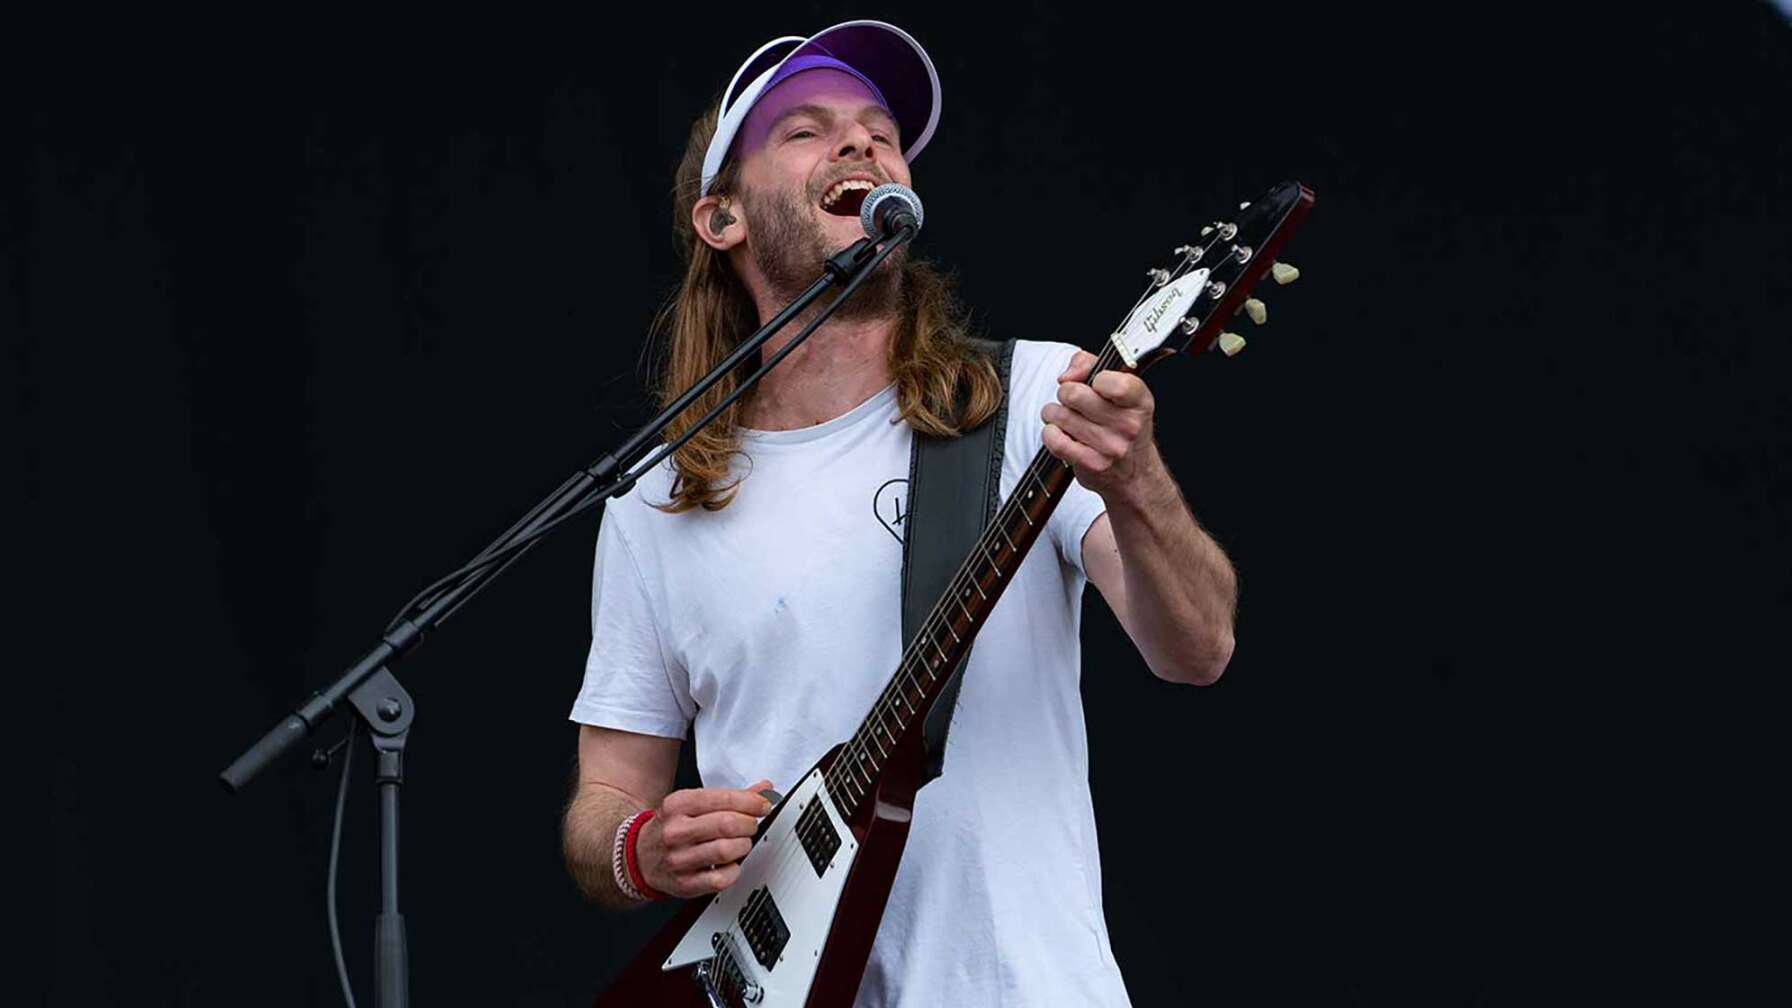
point(795, 930)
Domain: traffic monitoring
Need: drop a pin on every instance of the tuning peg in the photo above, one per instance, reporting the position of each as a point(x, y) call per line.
point(1256, 310)
point(1284, 273)
point(1158, 277)
point(1231, 343)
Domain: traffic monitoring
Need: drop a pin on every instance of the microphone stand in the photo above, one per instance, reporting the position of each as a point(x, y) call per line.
point(376, 695)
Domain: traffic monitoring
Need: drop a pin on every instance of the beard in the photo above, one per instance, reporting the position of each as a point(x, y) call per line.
point(789, 246)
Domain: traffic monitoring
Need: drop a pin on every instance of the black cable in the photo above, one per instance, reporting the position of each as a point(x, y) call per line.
point(348, 760)
point(422, 599)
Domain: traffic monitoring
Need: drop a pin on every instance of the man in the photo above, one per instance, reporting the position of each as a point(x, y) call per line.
point(752, 585)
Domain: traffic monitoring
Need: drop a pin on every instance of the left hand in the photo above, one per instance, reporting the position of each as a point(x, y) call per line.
point(1102, 429)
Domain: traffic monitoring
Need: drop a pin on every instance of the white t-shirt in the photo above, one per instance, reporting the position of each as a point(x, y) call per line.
point(775, 622)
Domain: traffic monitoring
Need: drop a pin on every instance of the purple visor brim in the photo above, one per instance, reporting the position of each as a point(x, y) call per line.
point(820, 61)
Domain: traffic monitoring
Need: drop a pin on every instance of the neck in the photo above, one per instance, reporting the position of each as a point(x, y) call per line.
point(843, 363)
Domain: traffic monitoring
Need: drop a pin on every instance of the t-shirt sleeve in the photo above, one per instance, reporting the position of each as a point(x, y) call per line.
point(629, 683)
point(1033, 382)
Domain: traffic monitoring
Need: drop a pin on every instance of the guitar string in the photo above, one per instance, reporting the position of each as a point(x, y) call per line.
point(994, 539)
point(795, 856)
point(966, 578)
point(833, 779)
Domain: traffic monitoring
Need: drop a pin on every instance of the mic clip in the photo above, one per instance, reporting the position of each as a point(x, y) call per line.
point(843, 264)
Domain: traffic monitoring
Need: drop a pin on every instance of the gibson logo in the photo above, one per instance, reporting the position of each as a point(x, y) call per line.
point(1156, 314)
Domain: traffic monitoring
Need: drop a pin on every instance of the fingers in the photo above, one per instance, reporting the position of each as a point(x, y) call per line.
point(1119, 387)
point(689, 849)
point(1111, 439)
point(683, 831)
point(700, 801)
point(1112, 392)
point(1127, 391)
point(705, 881)
point(704, 856)
point(1086, 460)
point(1078, 369)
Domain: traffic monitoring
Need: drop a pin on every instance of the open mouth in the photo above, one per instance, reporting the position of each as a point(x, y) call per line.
point(845, 197)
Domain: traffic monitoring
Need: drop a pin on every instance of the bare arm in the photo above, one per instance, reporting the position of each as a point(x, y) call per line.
point(1168, 582)
point(620, 773)
point(1171, 587)
point(687, 849)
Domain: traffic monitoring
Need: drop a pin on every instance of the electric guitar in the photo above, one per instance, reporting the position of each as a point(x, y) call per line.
point(796, 928)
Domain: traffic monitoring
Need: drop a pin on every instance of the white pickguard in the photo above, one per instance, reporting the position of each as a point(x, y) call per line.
point(805, 901)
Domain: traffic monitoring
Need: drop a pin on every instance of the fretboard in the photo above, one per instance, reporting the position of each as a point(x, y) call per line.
point(946, 635)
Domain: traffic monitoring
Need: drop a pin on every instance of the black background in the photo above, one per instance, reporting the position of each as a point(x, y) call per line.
point(305, 314)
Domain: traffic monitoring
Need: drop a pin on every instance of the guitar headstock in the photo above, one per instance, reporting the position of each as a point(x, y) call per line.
point(1189, 304)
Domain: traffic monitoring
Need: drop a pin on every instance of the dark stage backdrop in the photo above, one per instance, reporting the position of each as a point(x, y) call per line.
point(301, 318)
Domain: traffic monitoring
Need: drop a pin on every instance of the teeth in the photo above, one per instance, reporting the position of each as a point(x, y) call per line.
point(841, 188)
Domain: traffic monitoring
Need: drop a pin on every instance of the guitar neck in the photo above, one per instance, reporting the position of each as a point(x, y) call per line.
point(946, 635)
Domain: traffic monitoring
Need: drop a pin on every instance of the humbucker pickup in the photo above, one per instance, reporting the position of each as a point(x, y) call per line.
point(816, 831)
point(764, 927)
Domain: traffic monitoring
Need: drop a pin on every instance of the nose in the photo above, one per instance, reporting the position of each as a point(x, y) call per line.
point(856, 142)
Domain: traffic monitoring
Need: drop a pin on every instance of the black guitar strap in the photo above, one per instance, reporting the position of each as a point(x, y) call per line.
point(953, 485)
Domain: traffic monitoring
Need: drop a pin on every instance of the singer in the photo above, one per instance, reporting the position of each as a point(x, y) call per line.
point(750, 586)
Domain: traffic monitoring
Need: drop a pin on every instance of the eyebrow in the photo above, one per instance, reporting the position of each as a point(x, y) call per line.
point(826, 114)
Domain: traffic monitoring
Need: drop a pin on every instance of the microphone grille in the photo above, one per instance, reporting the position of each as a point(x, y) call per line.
point(887, 191)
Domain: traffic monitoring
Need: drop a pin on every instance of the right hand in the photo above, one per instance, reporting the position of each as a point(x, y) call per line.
point(690, 847)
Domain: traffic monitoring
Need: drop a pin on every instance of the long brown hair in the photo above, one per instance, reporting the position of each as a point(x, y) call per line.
point(943, 385)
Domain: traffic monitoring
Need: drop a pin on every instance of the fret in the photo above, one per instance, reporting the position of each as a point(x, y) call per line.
point(976, 585)
point(948, 625)
point(1033, 471)
point(961, 605)
point(880, 746)
point(1025, 517)
point(984, 546)
point(936, 647)
point(1000, 527)
point(906, 674)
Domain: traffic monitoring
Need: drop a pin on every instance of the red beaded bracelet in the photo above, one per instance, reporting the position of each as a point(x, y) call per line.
point(628, 855)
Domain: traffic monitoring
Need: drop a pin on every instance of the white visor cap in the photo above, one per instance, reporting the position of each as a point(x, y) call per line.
point(890, 58)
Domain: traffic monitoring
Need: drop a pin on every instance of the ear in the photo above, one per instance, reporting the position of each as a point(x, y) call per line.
point(717, 220)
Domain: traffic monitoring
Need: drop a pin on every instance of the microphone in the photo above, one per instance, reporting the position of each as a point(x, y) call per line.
point(888, 209)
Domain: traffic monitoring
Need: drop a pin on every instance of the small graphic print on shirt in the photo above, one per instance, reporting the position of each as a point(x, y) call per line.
point(890, 504)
